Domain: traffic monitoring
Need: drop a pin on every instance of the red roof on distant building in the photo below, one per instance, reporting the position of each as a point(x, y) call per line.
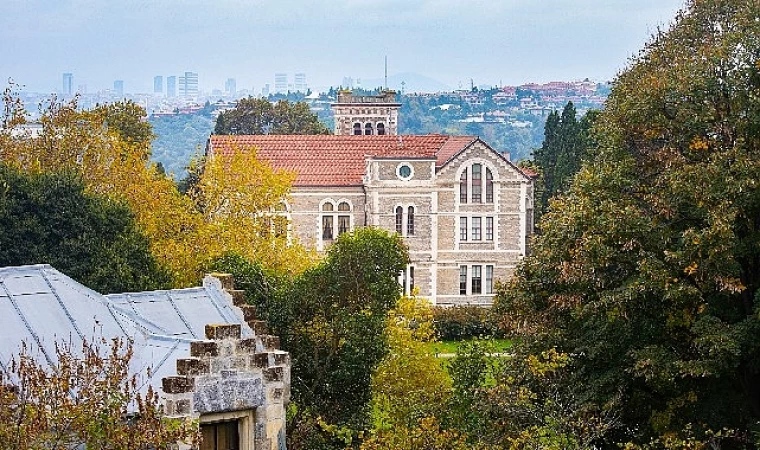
point(329, 160)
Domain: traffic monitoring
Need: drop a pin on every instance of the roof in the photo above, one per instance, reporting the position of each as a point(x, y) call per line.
point(41, 306)
point(328, 160)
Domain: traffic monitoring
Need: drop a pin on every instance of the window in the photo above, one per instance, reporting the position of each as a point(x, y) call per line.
point(330, 219)
point(489, 186)
point(344, 221)
point(368, 129)
point(462, 280)
point(410, 222)
point(463, 228)
point(406, 280)
point(477, 281)
point(476, 183)
point(476, 233)
point(463, 187)
point(489, 228)
point(411, 280)
point(399, 219)
point(357, 128)
point(404, 171)
point(220, 436)
point(380, 129)
point(489, 280)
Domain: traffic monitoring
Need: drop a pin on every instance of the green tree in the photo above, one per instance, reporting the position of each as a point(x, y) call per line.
point(127, 120)
point(48, 218)
point(259, 116)
point(648, 269)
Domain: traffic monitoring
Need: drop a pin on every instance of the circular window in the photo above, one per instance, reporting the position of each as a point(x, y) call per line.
point(404, 171)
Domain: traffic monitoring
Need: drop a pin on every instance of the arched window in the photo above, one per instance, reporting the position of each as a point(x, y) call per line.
point(344, 220)
point(357, 128)
point(489, 186)
point(463, 187)
point(410, 221)
point(399, 219)
point(380, 129)
point(368, 129)
point(477, 183)
point(327, 221)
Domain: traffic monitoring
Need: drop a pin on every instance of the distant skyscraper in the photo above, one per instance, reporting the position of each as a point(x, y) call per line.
point(118, 87)
point(280, 83)
point(158, 84)
point(265, 90)
point(68, 83)
point(230, 86)
point(188, 85)
point(299, 84)
point(171, 86)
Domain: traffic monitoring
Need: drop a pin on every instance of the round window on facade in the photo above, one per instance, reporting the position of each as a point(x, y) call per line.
point(404, 171)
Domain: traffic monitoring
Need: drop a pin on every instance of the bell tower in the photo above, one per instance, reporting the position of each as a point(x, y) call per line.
point(366, 114)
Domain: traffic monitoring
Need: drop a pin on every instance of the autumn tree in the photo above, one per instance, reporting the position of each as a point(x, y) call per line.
point(259, 116)
point(86, 397)
point(648, 268)
point(49, 218)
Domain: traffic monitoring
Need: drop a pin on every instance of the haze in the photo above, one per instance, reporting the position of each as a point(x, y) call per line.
point(491, 42)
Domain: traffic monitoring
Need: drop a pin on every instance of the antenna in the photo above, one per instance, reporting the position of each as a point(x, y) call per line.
point(386, 72)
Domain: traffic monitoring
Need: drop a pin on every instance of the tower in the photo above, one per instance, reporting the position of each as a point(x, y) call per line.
point(68, 81)
point(171, 86)
point(118, 87)
point(158, 84)
point(366, 114)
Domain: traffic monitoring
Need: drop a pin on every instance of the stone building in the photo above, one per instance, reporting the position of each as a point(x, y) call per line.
point(465, 210)
point(209, 358)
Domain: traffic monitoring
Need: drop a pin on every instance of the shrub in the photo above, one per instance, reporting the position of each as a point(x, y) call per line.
point(458, 323)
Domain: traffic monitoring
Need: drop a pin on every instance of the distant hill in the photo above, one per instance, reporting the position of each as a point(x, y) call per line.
point(414, 83)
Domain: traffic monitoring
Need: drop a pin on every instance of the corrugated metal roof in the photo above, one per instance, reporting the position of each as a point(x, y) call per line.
point(41, 306)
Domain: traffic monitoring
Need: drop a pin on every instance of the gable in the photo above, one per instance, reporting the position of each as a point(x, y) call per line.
point(478, 150)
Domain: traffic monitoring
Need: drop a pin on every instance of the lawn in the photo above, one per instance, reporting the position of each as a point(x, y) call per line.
point(450, 347)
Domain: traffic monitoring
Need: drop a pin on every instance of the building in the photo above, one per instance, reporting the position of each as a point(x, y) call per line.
point(118, 87)
point(210, 359)
point(230, 87)
point(68, 84)
point(188, 85)
point(465, 211)
point(171, 86)
point(158, 84)
point(366, 114)
point(299, 83)
point(280, 83)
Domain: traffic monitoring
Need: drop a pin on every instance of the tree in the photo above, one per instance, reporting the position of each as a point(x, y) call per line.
point(49, 218)
point(260, 116)
point(648, 269)
point(127, 120)
point(84, 398)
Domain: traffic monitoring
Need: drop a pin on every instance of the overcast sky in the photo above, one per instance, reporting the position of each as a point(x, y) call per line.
point(490, 41)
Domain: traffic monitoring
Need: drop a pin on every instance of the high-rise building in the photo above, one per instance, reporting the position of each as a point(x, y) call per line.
point(118, 87)
point(230, 86)
point(299, 84)
point(68, 83)
point(188, 85)
point(158, 84)
point(280, 83)
point(265, 90)
point(171, 86)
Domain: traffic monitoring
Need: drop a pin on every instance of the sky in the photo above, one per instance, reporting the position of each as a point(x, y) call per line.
point(492, 42)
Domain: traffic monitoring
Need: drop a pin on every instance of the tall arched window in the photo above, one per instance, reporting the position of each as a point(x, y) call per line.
point(344, 220)
point(463, 187)
point(357, 128)
point(380, 129)
point(368, 129)
point(410, 221)
point(477, 183)
point(399, 219)
point(489, 186)
point(327, 221)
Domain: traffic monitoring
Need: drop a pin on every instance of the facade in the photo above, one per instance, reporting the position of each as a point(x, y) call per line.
point(210, 359)
point(465, 211)
point(280, 83)
point(366, 114)
point(299, 82)
point(158, 84)
point(171, 86)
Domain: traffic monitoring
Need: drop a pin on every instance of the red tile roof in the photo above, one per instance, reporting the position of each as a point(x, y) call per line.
point(326, 160)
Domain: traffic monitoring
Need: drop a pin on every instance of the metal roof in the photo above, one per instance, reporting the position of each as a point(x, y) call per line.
point(40, 306)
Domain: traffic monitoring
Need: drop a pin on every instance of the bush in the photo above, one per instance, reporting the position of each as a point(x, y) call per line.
point(457, 323)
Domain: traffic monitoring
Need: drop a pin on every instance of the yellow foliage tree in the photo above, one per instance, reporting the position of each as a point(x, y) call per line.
point(228, 210)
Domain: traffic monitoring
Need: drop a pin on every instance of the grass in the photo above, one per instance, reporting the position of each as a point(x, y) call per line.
point(450, 347)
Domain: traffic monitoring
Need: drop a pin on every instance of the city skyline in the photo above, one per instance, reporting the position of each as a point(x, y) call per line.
point(508, 42)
